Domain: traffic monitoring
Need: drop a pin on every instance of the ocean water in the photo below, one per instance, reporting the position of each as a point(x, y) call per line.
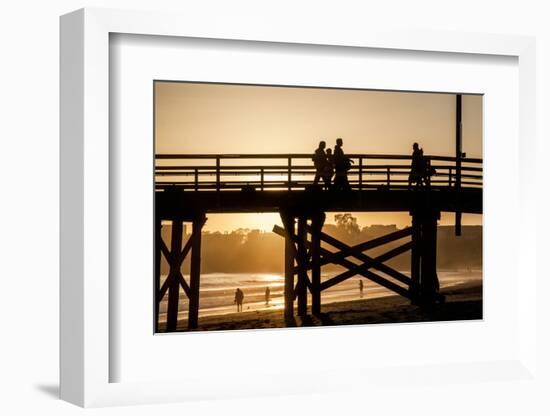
point(217, 291)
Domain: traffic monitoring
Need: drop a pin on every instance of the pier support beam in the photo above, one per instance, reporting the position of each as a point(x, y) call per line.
point(172, 280)
point(416, 239)
point(195, 272)
point(301, 288)
point(289, 225)
point(429, 284)
point(424, 280)
point(175, 281)
point(301, 255)
point(158, 254)
point(316, 227)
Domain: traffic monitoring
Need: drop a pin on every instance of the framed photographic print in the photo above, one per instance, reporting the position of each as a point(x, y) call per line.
point(255, 221)
point(272, 206)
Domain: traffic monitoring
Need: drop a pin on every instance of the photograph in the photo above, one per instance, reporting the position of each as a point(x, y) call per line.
point(288, 206)
point(223, 208)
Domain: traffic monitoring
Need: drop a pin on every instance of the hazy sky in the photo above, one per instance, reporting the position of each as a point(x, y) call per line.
point(211, 118)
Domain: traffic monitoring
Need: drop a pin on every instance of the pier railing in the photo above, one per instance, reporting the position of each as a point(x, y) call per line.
point(262, 172)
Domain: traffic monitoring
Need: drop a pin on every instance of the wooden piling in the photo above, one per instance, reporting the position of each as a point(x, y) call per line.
point(415, 257)
point(158, 238)
point(288, 223)
point(429, 281)
point(174, 285)
point(195, 272)
point(424, 280)
point(316, 226)
point(302, 264)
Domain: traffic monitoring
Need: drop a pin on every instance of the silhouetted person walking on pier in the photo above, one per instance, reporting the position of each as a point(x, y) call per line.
point(267, 295)
point(239, 297)
point(319, 161)
point(342, 164)
point(416, 175)
point(360, 288)
point(421, 169)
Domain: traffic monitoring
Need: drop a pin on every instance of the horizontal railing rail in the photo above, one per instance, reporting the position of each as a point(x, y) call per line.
point(296, 171)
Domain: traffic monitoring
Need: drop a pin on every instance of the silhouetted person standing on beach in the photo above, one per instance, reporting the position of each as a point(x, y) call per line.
point(267, 295)
point(342, 164)
point(239, 297)
point(319, 161)
point(360, 288)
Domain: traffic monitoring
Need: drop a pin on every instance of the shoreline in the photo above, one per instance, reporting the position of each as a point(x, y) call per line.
point(218, 291)
point(463, 302)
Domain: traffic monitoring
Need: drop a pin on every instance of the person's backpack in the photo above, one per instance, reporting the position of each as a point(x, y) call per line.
point(343, 164)
point(346, 164)
point(427, 168)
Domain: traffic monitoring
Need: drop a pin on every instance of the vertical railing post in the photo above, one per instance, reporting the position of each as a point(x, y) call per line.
point(450, 177)
point(388, 176)
point(262, 179)
point(196, 179)
point(428, 173)
point(289, 173)
point(360, 173)
point(217, 173)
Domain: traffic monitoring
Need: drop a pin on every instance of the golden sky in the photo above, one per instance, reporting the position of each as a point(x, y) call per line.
point(220, 118)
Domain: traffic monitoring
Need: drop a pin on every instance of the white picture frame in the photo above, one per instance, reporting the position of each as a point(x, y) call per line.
point(86, 356)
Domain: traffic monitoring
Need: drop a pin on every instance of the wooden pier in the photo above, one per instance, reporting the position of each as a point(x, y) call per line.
point(189, 187)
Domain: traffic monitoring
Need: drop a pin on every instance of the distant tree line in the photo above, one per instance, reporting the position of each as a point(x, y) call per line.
point(255, 251)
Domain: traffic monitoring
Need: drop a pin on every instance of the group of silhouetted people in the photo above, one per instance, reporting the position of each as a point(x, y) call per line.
point(333, 167)
point(330, 164)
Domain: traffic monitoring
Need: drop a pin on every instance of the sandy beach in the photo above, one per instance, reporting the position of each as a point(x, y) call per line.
point(463, 302)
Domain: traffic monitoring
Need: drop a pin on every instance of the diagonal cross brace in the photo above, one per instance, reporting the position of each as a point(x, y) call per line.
point(350, 273)
point(175, 260)
point(355, 251)
point(361, 269)
point(345, 249)
point(394, 252)
point(175, 257)
point(360, 248)
point(166, 284)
